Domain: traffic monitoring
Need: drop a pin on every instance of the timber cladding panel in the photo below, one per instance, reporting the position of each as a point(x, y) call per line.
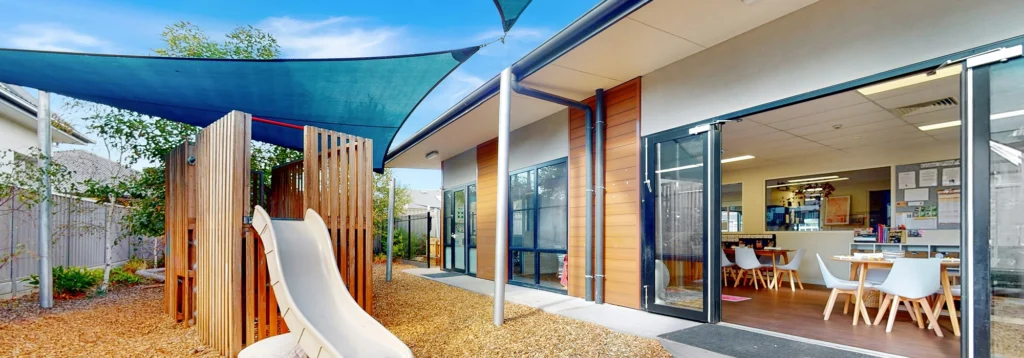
point(486, 204)
point(622, 196)
point(338, 183)
point(222, 178)
point(179, 222)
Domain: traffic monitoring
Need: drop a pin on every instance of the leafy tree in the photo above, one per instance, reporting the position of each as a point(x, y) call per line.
point(381, 183)
point(138, 138)
point(21, 188)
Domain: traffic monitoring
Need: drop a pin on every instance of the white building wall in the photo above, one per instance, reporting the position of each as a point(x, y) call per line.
point(459, 170)
point(535, 143)
point(540, 141)
point(824, 44)
point(15, 136)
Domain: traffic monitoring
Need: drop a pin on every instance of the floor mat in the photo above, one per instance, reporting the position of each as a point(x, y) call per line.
point(442, 274)
point(742, 343)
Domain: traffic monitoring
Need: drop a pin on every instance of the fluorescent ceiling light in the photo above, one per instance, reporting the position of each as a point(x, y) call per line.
point(939, 125)
point(810, 179)
point(691, 166)
point(1008, 114)
point(806, 182)
point(909, 81)
point(814, 189)
point(736, 159)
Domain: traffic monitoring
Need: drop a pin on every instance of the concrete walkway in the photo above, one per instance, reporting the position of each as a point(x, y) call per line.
point(620, 319)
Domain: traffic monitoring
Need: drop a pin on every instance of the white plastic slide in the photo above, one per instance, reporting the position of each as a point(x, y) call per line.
point(316, 305)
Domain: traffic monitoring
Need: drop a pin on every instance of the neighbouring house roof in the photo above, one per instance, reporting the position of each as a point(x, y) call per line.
point(85, 165)
point(366, 97)
point(19, 106)
point(425, 198)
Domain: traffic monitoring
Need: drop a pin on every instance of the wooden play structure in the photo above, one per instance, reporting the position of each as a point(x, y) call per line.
point(216, 275)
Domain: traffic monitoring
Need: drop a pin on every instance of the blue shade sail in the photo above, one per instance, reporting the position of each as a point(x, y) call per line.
point(510, 11)
point(366, 97)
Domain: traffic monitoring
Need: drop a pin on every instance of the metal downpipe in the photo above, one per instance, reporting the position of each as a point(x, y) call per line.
point(599, 193)
point(588, 236)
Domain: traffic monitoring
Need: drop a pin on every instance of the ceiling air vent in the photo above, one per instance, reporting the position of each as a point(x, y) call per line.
point(930, 106)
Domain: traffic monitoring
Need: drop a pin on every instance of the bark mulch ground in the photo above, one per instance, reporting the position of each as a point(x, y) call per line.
point(433, 319)
point(437, 320)
point(127, 322)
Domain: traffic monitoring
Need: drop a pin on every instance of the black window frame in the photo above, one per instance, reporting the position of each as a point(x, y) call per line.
point(535, 208)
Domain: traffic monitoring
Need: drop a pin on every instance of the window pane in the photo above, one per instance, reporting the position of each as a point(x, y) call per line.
point(521, 190)
point(838, 201)
point(472, 216)
point(552, 185)
point(679, 223)
point(522, 266)
point(551, 270)
point(1006, 163)
point(551, 228)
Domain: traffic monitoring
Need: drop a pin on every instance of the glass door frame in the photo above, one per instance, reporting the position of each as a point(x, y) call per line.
point(712, 293)
point(470, 224)
point(976, 302)
point(535, 249)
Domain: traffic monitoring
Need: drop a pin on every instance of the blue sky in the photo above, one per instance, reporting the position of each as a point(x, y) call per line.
point(304, 29)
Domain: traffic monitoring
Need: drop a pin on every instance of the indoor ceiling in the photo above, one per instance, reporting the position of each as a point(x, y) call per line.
point(658, 34)
point(849, 123)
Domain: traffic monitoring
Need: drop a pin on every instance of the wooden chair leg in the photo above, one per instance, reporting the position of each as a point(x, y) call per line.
point(910, 310)
point(831, 302)
point(864, 314)
point(755, 274)
point(792, 286)
point(932, 317)
point(736, 282)
point(882, 308)
point(892, 313)
point(725, 276)
point(846, 306)
point(763, 281)
point(799, 283)
point(917, 314)
point(939, 302)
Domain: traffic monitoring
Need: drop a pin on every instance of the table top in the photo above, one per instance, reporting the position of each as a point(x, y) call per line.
point(851, 259)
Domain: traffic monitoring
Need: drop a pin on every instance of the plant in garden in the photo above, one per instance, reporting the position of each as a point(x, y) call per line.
point(70, 282)
point(134, 264)
point(122, 277)
point(381, 183)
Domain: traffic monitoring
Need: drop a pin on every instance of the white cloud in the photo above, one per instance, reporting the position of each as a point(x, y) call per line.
point(516, 34)
point(334, 37)
point(54, 37)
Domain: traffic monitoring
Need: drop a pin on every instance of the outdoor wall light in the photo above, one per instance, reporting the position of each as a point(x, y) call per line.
point(191, 160)
point(431, 155)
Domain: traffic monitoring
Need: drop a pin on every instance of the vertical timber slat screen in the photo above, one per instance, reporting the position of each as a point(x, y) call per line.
point(338, 183)
point(179, 223)
point(286, 191)
point(222, 200)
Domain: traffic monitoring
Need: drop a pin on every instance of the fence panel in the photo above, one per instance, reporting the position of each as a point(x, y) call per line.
point(412, 237)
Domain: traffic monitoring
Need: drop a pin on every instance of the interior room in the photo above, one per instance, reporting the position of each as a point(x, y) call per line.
point(858, 175)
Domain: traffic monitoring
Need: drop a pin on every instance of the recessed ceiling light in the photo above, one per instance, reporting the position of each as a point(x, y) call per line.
point(939, 125)
point(909, 81)
point(433, 154)
point(691, 166)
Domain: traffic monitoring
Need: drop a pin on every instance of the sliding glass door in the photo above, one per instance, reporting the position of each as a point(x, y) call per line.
point(538, 225)
point(994, 178)
point(460, 230)
point(682, 223)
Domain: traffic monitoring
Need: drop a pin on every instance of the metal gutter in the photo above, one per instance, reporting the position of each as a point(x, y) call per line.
point(589, 216)
point(585, 27)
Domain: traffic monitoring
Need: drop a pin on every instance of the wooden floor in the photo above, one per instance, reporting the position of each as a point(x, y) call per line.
point(799, 313)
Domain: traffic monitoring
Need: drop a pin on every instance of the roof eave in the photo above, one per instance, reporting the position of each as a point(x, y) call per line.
point(585, 27)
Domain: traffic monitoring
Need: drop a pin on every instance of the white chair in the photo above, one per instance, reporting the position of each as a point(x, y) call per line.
point(913, 280)
point(661, 279)
point(791, 269)
point(840, 286)
point(727, 267)
point(748, 263)
point(939, 300)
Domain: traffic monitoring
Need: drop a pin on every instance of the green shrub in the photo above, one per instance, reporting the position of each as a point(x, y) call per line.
point(71, 281)
point(134, 264)
point(120, 276)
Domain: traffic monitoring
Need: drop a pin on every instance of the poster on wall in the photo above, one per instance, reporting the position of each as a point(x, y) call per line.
point(949, 206)
point(837, 210)
point(928, 177)
point(907, 180)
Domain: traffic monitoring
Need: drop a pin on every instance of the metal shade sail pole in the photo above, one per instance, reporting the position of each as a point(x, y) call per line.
point(43, 134)
point(501, 227)
point(391, 227)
